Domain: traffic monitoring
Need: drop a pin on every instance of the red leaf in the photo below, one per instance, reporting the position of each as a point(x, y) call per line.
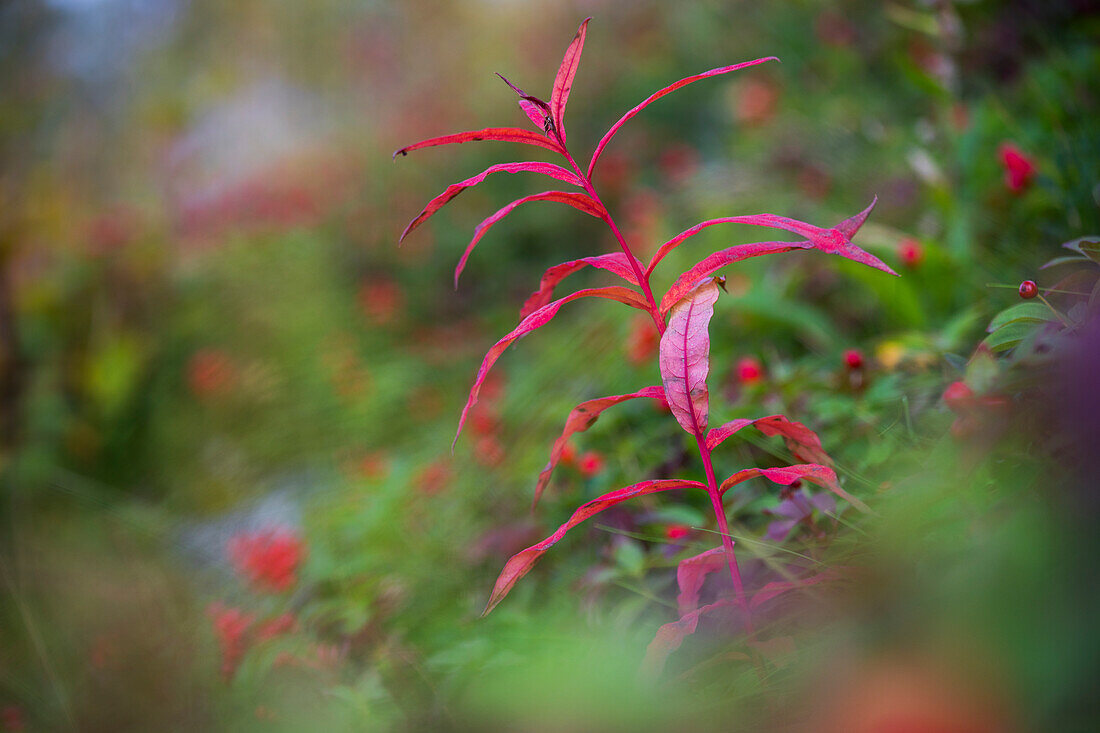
point(534, 113)
point(582, 417)
point(787, 475)
point(577, 200)
point(658, 94)
point(763, 220)
point(685, 357)
point(717, 261)
point(504, 134)
point(670, 636)
point(549, 169)
point(563, 82)
point(615, 262)
point(802, 442)
point(522, 562)
point(536, 320)
point(778, 588)
point(691, 573)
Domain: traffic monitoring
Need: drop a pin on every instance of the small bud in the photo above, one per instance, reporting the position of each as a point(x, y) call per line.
point(1028, 289)
point(853, 358)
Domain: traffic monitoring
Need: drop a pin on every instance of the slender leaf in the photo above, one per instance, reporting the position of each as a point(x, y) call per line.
point(779, 587)
point(763, 220)
point(1033, 312)
point(685, 357)
point(504, 134)
point(549, 169)
point(536, 320)
point(690, 574)
point(660, 93)
point(522, 562)
point(577, 200)
point(534, 113)
point(615, 262)
point(802, 442)
point(787, 475)
point(563, 82)
point(582, 417)
point(670, 636)
point(717, 261)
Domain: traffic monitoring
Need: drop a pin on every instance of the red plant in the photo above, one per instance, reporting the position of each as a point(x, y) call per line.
point(910, 253)
point(231, 626)
point(1028, 289)
point(680, 320)
point(268, 559)
point(590, 463)
point(853, 358)
point(749, 370)
point(1019, 169)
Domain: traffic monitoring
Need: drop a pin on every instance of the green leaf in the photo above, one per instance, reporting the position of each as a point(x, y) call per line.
point(1011, 334)
point(1032, 312)
point(1088, 246)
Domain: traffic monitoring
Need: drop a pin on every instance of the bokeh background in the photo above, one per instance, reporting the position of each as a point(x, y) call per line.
point(227, 495)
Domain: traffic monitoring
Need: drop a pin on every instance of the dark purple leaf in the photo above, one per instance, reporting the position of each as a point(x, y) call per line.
point(536, 320)
point(576, 200)
point(582, 417)
point(549, 169)
point(522, 562)
point(660, 93)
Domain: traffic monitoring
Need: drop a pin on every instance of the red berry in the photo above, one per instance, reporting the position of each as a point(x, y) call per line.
point(590, 463)
point(853, 358)
point(910, 252)
point(957, 395)
point(677, 531)
point(1028, 289)
point(749, 370)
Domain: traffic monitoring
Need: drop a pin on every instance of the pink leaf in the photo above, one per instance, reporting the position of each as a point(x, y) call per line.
point(522, 562)
point(582, 417)
point(802, 442)
point(534, 113)
point(657, 95)
point(717, 261)
point(536, 320)
point(577, 200)
point(504, 134)
point(563, 82)
point(670, 636)
point(763, 220)
point(615, 262)
point(549, 169)
point(787, 475)
point(778, 588)
point(685, 357)
point(691, 573)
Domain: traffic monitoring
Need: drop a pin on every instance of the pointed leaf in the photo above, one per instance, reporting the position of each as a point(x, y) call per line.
point(787, 475)
point(802, 442)
point(582, 417)
point(534, 113)
point(615, 262)
point(536, 320)
point(504, 134)
point(717, 261)
point(1034, 312)
point(549, 169)
point(660, 93)
point(563, 82)
point(763, 220)
point(670, 636)
point(685, 357)
point(522, 562)
point(691, 573)
point(851, 225)
point(778, 588)
point(577, 200)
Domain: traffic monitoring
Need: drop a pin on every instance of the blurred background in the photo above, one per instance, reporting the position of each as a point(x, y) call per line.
point(227, 397)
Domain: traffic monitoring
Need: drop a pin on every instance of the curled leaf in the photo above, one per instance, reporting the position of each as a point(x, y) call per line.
point(615, 262)
point(787, 475)
point(690, 574)
point(503, 134)
point(685, 357)
point(522, 562)
point(660, 93)
point(536, 320)
point(534, 113)
point(582, 417)
point(580, 201)
point(548, 169)
point(563, 82)
point(803, 443)
point(718, 260)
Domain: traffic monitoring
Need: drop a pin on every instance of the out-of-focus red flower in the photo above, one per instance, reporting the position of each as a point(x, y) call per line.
point(957, 395)
point(488, 451)
point(675, 532)
point(833, 29)
point(1019, 168)
point(756, 101)
point(380, 300)
point(276, 627)
point(210, 372)
point(269, 559)
point(853, 358)
point(374, 465)
point(11, 716)
point(678, 162)
point(434, 477)
point(641, 344)
point(910, 252)
point(590, 463)
point(749, 370)
point(973, 410)
point(231, 626)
